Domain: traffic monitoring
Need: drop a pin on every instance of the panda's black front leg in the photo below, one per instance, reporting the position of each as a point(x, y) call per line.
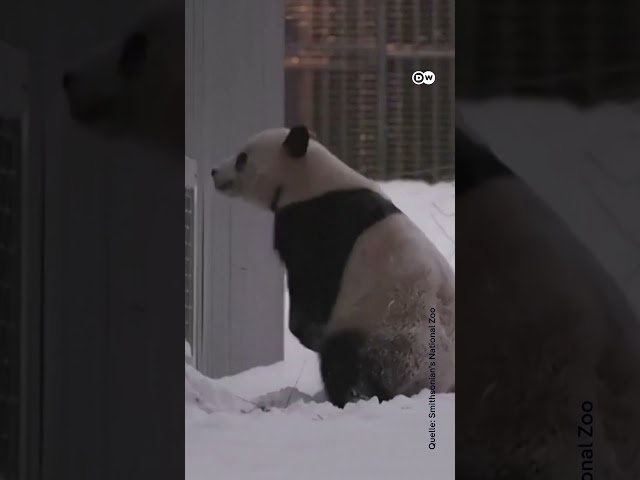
point(307, 329)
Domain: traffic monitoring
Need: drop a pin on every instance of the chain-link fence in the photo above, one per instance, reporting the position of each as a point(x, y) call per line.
point(349, 66)
point(189, 251)
point(192, 229)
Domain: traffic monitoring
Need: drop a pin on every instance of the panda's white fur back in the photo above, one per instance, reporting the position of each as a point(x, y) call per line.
point(394, 276)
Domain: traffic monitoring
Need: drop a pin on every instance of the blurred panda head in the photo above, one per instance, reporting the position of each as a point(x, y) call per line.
point(135, 86)
point(274, 160)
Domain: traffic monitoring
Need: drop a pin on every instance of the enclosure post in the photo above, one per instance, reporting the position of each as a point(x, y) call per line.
point(381, 85)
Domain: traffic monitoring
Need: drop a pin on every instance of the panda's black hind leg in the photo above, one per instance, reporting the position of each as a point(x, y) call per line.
point(348, 375)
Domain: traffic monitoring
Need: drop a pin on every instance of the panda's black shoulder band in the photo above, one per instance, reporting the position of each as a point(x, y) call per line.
point(314, 239)
point(276, 199)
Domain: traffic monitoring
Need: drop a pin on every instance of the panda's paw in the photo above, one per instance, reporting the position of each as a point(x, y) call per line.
point(357, 395)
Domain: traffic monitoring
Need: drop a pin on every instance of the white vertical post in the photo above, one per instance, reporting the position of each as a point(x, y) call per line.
point(234, 88)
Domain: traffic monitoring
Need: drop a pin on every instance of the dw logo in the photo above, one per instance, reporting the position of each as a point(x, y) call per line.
point(427, 77)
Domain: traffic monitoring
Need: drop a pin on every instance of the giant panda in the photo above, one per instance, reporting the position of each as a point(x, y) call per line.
point(368, 291)
point(134, 87)
point(548, 361)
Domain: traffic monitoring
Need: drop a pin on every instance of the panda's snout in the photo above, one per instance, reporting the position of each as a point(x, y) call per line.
point(220, 182)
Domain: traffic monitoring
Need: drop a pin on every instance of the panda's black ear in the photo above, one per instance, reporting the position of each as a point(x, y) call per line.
point(297, 141)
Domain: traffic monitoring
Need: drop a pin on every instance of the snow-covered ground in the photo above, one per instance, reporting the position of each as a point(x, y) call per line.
point(302, 437)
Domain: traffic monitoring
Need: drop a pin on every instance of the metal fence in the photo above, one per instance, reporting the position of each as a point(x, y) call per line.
point(191, 244)
point(348, 76)
point(189, 203)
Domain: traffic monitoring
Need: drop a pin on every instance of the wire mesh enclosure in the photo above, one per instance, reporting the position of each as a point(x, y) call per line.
point(189, 204)
point(190, 251)
point(348, 76)
point(10, 158)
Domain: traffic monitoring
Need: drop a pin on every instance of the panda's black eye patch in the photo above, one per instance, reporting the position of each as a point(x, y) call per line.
point(133, 54)
point(241, 161)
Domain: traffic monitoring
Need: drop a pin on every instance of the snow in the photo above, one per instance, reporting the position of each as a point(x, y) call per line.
point(273, 423)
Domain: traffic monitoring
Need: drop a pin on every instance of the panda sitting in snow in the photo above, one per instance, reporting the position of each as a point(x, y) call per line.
point(368, 291)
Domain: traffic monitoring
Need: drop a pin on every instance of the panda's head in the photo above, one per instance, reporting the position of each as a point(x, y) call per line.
point(135, 86)
point(280, 166)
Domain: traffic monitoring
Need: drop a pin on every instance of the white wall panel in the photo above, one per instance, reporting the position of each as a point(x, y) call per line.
point(234, 88)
